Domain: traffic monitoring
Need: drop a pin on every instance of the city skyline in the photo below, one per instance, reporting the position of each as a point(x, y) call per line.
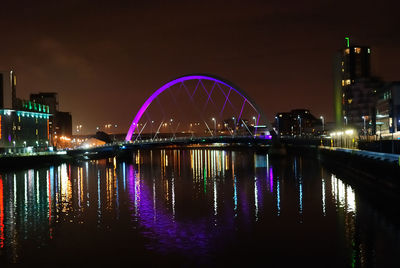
point(105, 60)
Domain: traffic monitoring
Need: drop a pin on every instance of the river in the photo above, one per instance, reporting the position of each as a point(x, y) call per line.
point(193, 208)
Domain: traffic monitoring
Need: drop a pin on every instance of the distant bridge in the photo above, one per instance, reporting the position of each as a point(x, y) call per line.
point(211, 98)
point(209, 86)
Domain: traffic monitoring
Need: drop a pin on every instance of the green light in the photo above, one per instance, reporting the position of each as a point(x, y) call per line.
point(347, 41)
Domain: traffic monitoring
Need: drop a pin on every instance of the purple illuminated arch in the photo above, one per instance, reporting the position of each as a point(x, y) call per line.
point(199, 77)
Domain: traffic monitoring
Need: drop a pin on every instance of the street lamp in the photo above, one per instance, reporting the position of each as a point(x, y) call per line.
point(365, 130)
point(299, 119)
point(277, 123)
point(254, 118)
point(234, 124)
point(215, 125)
point(345, 119)
point(323, 124)
point(78, 128)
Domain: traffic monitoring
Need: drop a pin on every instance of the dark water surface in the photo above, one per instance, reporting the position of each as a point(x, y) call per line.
point(192, 208)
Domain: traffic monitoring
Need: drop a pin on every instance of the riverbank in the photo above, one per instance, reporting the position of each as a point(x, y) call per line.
point(23, 161)
point(379, 173)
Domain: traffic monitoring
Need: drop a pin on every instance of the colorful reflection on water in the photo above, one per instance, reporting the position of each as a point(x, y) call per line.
point(191, 207)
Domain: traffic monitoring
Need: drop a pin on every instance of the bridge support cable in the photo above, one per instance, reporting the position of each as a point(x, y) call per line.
point(226, 99)
point(241, 110)
point(208, 93)
point(251, 134)
point(141, 131)
point(198, 80)
point(158, 129)
point(208, 128)
point(174, 131)
point(255, 127)
point(194, 91)
point(230, 130)
point(209, 96)
point(187, 91)
point(227, 95)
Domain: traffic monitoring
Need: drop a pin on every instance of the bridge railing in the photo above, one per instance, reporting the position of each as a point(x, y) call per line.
point(180, 139)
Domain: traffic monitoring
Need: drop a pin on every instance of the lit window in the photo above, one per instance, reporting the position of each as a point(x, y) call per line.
point(369, 50)
point(348, 82)
point(350, 101)
point(347, 51)
point(357, 50)
point(342, 83)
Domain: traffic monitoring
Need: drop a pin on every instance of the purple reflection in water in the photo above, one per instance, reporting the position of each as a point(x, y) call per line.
point(271, 180)
point(165, 233)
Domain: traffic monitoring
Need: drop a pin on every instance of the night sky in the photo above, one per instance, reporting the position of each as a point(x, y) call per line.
point(104, 58)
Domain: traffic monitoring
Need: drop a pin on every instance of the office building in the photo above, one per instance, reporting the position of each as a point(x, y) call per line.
point(298, 122)
point(355, 90)
point(388, 111)
point(23, 124)
point(47, 98)
point(23, 129)
point(60, 122)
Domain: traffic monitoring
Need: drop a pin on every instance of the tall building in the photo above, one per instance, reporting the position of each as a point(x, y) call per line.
point(23, 125)
point(355, 90)
point(8, 84)
point(60, 122)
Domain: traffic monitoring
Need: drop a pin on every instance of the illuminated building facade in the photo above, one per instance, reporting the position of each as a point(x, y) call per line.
point(23, 124)
point(355, 90)
point(350, 64)
point(21, 129)
point(298, 122)
point(60, 122)
point(388, 111)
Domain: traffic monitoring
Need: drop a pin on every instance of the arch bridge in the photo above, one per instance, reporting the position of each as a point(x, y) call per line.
point(239, 132)
point(209, 85)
